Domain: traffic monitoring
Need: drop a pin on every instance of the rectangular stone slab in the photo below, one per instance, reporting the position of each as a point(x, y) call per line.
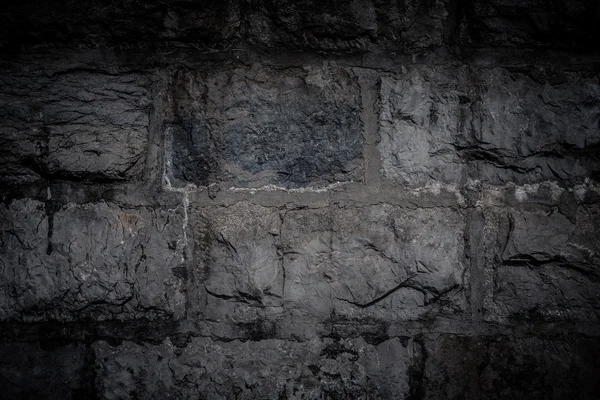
point(249, 126)
point(42, 371)
point(424, 114)
point(382, 262)
point(374, 261)
point(541, 266)
point(93, 260)
point(508, 367)
point(74, 125)
point(266, 369)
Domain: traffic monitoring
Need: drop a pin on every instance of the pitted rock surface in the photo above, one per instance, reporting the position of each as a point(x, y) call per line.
point(314, 199)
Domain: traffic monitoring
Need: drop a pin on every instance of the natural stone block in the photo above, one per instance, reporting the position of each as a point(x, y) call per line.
point(535, 23)
point(505, 367)
point(532, 131)
point(377, 261)
point(450, 125)
point(42, 371)
point(349, 25)
point(96, 260)
point(237, 261)
point(318, 368)
point(75, 125)
point(424, 115)
point(249, 126)
point(153, 24)
point(540, 265)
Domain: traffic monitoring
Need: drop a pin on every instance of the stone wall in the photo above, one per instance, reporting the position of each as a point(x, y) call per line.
point(258, 199)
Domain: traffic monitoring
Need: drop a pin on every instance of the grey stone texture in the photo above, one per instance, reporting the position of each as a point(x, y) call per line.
point(378, 262)
point(424, 115)
point(541, 264)
point(453, 124)
point(73, 125)
point(361, 199)
point(251, 126)
point(42, 370)
point(463, 367)
point(97, 261)
point(535, 23)
point(318, 368)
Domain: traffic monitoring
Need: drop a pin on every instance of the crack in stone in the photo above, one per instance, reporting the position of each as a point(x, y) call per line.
point(401, 285)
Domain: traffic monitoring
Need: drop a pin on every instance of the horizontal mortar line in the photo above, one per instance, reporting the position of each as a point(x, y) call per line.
point(386, 185)
point(285, 57)
point(321, 201)
point(434, 195)
point(132, 330)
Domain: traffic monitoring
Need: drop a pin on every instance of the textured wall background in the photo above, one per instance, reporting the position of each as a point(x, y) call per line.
point(308, 199)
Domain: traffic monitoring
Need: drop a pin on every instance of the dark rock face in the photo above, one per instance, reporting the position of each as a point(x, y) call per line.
point(252, 126)
point(90, 260)
point(365, 199)
point(496, 126)
point(509, 368)
point(310, 369)
point(72, 125)
point(42, 371)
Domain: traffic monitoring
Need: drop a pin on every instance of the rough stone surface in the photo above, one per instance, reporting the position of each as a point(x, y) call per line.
point(569, 24)
point(496, 126)
point(207, 369)
point(260, 199)
point(541, 264)
point(96, 261)
point(463, 367)
point(42, 370)
point(425, 114)
point(349, 25)
point(130, 24)
point(378, 262)
point(252, 126)
point(533, 131)
point(72, 125)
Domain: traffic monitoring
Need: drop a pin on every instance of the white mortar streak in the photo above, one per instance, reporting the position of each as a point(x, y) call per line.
point(186, 203)
point(275, 188)
point(185, 194)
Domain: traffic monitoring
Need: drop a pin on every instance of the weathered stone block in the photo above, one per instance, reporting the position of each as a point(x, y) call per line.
point(424, 115)
point(268, 369)
point(350, 25)
point(378, 261)
point(237, 261)
point(72, 125)
point(571, 24)
point(449, 125)
point(37, 371)
point(541, 265)
point(252, 126)
point(531, 131)
point(505, 367)
point(91, 260)
point(205, 24)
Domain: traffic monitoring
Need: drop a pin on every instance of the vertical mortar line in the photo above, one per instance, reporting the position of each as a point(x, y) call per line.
point(186, 204)
point(475, 239)
point(475, 249)
point(369, 82)
point(282, 255)
point(160, 155)
point(153, 173)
